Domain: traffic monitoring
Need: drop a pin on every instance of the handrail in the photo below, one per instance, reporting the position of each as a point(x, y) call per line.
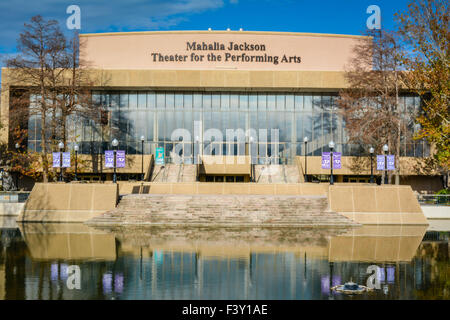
point(14, 196)
point(434, 199)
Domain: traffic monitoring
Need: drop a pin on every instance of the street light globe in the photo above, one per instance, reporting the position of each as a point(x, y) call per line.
point(197, 138)
point(385, 148)
point(61, 145)
point(115, 143)
point(17, 145)
point(331, 144)
point(305, 139)
point(76, 148)
point(142, 138)
point(371, 150)
point(251, 139)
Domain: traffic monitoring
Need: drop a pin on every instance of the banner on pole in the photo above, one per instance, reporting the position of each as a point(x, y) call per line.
point(66, 160)
point(159, 159)
point(380, 163)
point(337, 164)
point(120, 159)
point(391, 162)
point(56, 160)
point(326, 158)
point(109, 159)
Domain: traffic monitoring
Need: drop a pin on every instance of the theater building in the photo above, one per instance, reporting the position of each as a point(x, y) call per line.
point(249, 96)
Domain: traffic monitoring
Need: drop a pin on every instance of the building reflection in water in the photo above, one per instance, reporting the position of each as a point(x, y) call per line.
point(168, 263)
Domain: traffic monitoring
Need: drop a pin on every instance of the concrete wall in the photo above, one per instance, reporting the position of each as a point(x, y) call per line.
point(369, 204)
point(68, 202)
point(409, 166)
point(436, 212)
point(133, 50)
point(225, 165)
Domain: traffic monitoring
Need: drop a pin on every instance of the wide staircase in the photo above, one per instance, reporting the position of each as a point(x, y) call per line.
point(222, 210)
point(174, 173)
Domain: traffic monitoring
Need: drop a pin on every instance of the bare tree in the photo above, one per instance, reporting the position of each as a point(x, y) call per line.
point(36, 69)
point(48, 69)
point(370, 105)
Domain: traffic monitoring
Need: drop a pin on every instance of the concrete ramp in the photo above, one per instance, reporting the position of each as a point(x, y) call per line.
point(371, 204)
point(68, 202)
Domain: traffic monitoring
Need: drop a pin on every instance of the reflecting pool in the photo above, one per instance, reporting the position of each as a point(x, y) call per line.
point(37, 262)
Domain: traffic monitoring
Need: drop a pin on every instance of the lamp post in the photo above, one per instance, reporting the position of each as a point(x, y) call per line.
point(17, 173)
point(385, 150)
point(371, 151)
point(76, 148)
point(331, 145)
point(61, 149)
point(142, 159)
point(115, 143)
point(305, 140)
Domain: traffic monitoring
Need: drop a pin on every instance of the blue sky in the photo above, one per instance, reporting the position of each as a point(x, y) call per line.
point(321, 16)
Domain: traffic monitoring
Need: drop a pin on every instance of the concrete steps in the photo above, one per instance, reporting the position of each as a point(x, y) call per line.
point(277, 173)
point(175, 173)
point(243, 210)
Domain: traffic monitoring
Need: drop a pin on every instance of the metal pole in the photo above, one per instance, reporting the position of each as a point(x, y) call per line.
point(142, 167)
point(306, 162)
point(385, 169)
point(198, 159)
point(331, 167)
point(76, 165)
point(371, 168)
point(114, 176)
point(60, 166)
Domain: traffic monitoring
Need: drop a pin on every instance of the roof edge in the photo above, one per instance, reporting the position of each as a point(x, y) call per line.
point(224, 32)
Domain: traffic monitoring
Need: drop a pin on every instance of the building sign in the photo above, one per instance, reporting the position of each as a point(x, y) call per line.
point(66, 160)
point(326, 160)
point(159, 160)
point(391, 162)
point(231, 52)
point(197, 50)
point(56, 159)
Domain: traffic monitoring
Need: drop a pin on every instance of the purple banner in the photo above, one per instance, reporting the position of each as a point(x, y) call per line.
point(326, 160)
point(56, 159)
point(109, 159)
point(337, 164)
point(380, 162)
point(391, 162)
point(66, 160)
point(120, 159)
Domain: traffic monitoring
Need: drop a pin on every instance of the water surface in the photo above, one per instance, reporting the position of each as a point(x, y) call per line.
point(222, 263)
